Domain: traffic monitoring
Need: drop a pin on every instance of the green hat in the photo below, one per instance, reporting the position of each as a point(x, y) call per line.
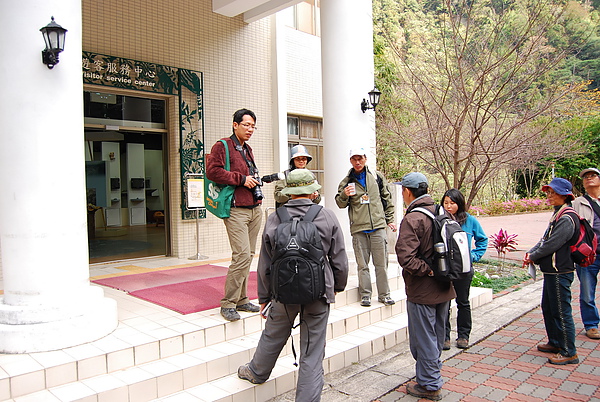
point(300, 182)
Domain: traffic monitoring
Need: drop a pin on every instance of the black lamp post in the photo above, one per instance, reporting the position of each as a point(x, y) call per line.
point(54, 36)
point(373, 101)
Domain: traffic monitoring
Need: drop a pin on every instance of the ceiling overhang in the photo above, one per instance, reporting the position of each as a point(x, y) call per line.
point(253, 10)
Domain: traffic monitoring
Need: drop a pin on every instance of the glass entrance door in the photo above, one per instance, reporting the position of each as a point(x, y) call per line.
point(126, 176)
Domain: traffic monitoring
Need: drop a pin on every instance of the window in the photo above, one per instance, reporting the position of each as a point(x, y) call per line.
point(308, 132)
point(305, 17)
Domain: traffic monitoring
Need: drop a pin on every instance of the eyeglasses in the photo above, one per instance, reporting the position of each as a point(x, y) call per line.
point(590, 175)
point(248, 126)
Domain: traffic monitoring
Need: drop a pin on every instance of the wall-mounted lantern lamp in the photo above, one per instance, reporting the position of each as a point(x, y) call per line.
point(373, 101)
point(54, 36)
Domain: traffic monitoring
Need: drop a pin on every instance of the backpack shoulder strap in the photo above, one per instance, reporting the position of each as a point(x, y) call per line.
point(283, 214)
point(424, 211)
point(312, 212)
point(563, 211)
point(593, 204)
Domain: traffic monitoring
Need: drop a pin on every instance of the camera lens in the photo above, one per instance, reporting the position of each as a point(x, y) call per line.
point(272, 177)
point(258, 194)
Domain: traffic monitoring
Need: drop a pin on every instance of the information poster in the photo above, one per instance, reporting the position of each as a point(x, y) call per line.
point(195, 193)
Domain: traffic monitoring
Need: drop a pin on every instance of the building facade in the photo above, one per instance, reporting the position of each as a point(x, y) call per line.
point(142, 91)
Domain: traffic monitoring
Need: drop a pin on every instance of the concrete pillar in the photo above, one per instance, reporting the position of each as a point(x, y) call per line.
point(48, 302)
point(348, 76)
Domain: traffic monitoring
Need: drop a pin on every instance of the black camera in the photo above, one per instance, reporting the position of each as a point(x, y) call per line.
point(256, 190)
point(272, 177)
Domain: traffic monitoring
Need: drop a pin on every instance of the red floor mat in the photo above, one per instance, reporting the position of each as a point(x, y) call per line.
point(192, 296)
point(133, 282)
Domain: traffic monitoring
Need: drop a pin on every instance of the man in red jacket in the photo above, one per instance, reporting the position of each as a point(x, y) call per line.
point(245, 217)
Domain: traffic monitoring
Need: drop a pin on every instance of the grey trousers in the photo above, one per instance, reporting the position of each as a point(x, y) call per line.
point(313, 332)
point(242, 227)
point(426, 335)
point(367, 245)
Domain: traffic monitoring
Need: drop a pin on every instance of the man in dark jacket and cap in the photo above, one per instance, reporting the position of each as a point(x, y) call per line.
point(428, 298)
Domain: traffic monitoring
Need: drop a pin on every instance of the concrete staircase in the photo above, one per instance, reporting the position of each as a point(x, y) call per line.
point(156, 354)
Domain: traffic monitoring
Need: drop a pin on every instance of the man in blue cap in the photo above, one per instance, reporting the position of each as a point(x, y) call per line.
point(428, 298)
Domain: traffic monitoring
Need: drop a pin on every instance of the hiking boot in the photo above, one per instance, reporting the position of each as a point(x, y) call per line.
point(245, 373)
point(561, 360)
point(593, 333)
point(418, 391)
point(230, 314)
point(547, 348)
point(446, 345)
point(248, 307)
point(365, 301)
point(388, 301)
point(462, 343)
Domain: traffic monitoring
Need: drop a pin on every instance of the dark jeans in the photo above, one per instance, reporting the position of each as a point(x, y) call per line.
point(463, 318)
point(588, 280)
point(557, 312)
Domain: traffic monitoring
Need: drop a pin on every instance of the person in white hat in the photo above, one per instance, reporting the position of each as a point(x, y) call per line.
point(299, 159)
point(588, 207)
point(370, 208)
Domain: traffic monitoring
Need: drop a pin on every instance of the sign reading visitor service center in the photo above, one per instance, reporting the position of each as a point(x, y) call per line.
point(117, 72)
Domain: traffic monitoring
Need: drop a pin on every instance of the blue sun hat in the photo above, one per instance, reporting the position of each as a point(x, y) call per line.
point(560, 186)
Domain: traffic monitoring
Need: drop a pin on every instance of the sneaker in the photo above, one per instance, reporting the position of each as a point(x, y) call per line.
point(561, 360)
point(388, 301)
point(446, 345)
point(462, 343)
point(230, 314)
point(245, 373)
point(418, 391)
point(593, 333)
point(249, 307)
point(365, 301)
point(547, 348)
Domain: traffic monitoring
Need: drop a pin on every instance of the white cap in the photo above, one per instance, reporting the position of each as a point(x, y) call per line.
point(357, 151)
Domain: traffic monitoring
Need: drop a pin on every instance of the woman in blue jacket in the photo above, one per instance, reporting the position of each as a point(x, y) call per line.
point(454, 204)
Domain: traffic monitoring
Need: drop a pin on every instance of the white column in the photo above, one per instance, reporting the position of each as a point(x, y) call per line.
point(348, 76)
point(48, 302)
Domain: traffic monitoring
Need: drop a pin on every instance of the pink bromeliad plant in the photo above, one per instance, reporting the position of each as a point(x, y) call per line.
point(503, 243)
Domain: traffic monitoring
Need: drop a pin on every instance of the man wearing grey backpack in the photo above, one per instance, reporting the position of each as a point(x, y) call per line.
point(300, 185)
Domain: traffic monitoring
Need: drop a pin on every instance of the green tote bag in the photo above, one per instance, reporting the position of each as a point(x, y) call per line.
point(218, 196)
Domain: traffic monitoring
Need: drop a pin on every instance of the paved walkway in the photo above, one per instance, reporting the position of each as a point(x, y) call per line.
point(506, 366)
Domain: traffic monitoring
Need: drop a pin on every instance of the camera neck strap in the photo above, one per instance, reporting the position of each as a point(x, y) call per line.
point(243, 149)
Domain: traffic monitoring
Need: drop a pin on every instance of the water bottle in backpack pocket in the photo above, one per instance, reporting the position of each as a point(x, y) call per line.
point(451, 253)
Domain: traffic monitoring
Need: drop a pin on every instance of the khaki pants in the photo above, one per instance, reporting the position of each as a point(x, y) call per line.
point(366, 245)
point(242, 227)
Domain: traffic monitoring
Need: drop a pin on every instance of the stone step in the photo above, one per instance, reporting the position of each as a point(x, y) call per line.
point(210, 363)
point(145, 370)
point(139, 340)
point(340, 352)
